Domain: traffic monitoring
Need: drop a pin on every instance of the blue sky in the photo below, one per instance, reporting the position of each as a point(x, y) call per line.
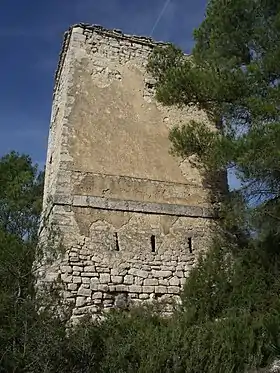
point(31, 32)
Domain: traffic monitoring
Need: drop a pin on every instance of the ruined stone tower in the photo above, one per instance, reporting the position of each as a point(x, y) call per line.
point(133, 218)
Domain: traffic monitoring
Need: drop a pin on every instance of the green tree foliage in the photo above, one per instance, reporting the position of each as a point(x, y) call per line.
point(20, 203)
point(21, 188)
point(233, 74)
point(29, 341)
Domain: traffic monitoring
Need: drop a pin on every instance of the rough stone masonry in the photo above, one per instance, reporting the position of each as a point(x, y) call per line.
point(132, 217)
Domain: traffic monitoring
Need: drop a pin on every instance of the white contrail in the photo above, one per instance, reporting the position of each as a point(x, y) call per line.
point(159, 16)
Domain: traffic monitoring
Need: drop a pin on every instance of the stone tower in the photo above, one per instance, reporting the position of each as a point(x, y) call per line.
point(132, 217)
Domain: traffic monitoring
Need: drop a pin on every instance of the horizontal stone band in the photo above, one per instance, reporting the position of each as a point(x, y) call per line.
point(134, 206)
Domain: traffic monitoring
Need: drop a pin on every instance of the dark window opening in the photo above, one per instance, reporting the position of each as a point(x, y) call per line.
point(149, 85)
point(117, 242)
point(153, 243)
point(190, 245)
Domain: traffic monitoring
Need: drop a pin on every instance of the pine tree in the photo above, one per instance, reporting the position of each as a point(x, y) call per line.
point(233, 74)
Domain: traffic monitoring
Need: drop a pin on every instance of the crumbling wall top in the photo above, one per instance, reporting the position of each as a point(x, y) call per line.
point(113, 33)
point(116, 33)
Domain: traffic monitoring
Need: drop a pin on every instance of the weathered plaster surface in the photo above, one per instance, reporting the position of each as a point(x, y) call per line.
point(133, 218)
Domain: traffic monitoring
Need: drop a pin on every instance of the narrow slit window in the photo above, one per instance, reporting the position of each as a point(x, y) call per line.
point(117, 242)
point(190, 245)
point(149, 85)
point(153, 243)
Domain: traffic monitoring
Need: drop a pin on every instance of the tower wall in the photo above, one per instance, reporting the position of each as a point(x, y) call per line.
point(133, 218)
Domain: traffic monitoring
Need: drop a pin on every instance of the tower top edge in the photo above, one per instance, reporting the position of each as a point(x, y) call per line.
point(116, 33)
point(84, 28)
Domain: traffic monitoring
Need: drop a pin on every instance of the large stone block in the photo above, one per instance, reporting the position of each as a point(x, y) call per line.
point(103, 287)
point(162, 274)
point(116, 279)
point(174, 281)
point(135, 289)
point(160, 289)
point(80, 301)
point(151, 281)
point(89, 268)
point(148, 289)
point(82, 291)
point(97, 295)
point(104, 278)
point(77, 279)
point(128, 279)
